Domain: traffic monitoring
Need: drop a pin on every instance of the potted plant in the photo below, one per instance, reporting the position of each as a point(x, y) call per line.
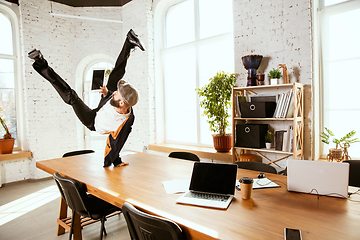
point(274, 76)
point(328, 136)
point(216, 102)
point(7, 142)
point(268, 139)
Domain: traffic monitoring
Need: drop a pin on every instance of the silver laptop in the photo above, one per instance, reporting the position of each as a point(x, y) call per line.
point(318, 177)
point(212, 185)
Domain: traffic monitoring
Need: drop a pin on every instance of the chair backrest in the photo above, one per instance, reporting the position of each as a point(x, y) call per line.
point(78, 152)
point(185, 155)
point(354, 172)
point(143, 226)
point(73, 192)
point(257, 166)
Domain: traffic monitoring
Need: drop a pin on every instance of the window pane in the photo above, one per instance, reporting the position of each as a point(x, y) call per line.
point(215, 17)
point(342, 87)
point(341, 122)
point(179, 24)
point(6, 39)
point(7, 104)
point(332, 2)
point(343, 36)
point(180, 95)
point(7, 77)
point(214, 56)
point(7, 96)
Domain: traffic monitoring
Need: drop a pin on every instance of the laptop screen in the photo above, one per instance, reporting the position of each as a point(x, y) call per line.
point(214, 178)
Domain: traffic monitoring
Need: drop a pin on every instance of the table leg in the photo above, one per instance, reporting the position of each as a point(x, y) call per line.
point(62, 215)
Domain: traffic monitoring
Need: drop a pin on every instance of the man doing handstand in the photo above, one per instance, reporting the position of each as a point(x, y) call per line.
point(114, 114)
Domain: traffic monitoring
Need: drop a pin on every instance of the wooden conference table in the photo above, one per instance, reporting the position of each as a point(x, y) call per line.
point(263, 217)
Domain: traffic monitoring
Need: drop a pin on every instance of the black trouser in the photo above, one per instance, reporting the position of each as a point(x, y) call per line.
point(82, 111)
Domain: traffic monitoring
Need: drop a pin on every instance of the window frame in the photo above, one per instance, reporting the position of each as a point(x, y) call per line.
point(11, 11)
point(319, 80)
point(160, 14)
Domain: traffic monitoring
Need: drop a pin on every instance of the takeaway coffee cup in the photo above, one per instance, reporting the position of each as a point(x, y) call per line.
point(246, 184)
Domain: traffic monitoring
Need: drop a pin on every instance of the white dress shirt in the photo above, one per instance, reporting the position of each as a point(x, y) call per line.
point(108, 119)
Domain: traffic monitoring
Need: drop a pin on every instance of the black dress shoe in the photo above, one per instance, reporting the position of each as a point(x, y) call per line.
point(133, 39)
point(35, 55)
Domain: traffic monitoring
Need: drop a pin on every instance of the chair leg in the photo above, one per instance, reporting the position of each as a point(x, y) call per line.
point(102, 230)
point(72, 224)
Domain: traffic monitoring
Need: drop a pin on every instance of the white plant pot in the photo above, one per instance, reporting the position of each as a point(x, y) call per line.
point(268, 145)
point(274, 81)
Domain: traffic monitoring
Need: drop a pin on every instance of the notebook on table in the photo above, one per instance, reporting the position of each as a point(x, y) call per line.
point(318, 177)
point(211, 185)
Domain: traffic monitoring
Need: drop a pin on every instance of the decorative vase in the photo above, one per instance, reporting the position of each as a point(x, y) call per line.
point(222, 143)
point(6, 145)
point(274, 81)
point(268, 145)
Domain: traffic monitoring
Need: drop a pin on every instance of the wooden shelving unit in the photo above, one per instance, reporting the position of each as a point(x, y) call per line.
point(297, 120)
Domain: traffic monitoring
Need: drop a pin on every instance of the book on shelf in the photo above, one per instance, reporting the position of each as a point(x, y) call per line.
point(290, 112)
point(279, 138)
point(291, 138)
point(284, 105)
point(237, 106)
point(285, 142)
point(278, 105)
point(284, 139)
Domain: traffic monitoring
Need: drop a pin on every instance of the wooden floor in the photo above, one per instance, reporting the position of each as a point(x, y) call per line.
point(40, 223)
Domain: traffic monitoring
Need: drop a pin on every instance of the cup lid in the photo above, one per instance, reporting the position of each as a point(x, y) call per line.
point(246, 180)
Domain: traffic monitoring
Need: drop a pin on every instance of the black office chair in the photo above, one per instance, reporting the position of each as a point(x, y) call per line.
point(257, 166)
point(185, 155)
point(143, 226)
point(354, 172)
point(75, 195)
point(78, 152)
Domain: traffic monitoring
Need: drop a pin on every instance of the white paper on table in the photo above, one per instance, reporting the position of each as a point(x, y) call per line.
point(176, 186)
point(260, 183)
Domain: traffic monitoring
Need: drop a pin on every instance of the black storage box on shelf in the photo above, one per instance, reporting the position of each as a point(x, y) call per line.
point(251, 135)
point(257, 109)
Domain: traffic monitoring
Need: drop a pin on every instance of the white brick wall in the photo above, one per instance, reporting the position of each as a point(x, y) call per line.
point(280, 30)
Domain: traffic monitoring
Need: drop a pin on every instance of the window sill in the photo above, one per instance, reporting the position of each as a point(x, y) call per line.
point(15, 155)
point(201, 152)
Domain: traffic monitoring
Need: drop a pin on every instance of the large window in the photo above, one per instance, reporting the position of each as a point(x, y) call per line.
point(339, 23)
point(198, 42)
point(8, 71)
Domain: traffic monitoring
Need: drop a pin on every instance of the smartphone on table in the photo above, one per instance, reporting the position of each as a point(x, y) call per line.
point(292, 234)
